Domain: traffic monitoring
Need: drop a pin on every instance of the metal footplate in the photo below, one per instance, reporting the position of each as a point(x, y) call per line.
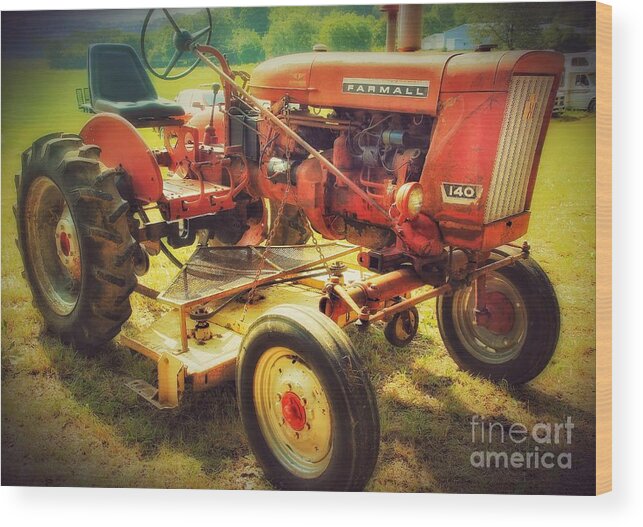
point(219, 272)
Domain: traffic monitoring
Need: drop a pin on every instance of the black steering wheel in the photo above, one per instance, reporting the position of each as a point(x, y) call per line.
point(183, 41)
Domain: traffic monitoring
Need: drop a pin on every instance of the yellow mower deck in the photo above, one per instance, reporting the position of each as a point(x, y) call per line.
point(169, 340)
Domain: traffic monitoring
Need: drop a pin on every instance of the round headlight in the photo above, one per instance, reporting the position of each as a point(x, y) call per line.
point(409, 200)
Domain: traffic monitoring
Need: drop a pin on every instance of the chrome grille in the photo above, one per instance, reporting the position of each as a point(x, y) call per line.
point(522, 122)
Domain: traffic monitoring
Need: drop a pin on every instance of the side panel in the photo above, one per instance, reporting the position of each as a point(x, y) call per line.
point(482, 163)
point(391, 82)
point(406, 82)
point(462, 152)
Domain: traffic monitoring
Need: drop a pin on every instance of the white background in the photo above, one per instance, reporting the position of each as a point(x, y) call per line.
point(124, 507)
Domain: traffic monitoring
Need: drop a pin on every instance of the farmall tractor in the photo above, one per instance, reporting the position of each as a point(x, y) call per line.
point(421, 165)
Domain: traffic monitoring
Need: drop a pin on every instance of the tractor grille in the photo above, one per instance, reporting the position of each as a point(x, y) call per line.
point(523, 119)
point(218, 271)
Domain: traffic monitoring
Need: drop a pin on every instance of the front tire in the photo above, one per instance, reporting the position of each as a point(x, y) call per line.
point(402, 327)
point(306, 403)
point(521, 337)
point(74, 238)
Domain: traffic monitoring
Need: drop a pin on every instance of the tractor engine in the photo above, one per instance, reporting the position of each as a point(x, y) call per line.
point(371, 115)
point(378, 151)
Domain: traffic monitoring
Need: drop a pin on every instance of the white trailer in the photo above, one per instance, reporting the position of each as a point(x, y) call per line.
point(577, 90)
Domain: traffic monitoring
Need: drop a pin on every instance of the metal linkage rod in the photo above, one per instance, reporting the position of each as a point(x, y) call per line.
point(402, 281)
point(200, 51)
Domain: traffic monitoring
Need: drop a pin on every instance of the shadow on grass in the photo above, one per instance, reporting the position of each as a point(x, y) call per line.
point(206, 425)
point(426, 403)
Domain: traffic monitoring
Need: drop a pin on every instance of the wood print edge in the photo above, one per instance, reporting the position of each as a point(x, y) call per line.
point(603, 248)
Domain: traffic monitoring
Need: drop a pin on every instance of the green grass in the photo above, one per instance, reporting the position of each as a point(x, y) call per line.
point(69, 419)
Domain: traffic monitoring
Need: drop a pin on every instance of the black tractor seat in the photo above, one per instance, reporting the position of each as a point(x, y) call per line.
point(119, 84)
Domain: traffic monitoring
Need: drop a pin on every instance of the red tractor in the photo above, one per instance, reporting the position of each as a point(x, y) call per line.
point(421, 164)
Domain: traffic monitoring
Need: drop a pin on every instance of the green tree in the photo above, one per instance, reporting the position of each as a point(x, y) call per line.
point(223, 26)
point(247, 46)
point(255, 18)
point(347, 32)
point(291, 31)
point(565, 26)
point(378, 42)
point(566, 39)
point(437, 18)
point(511, 26)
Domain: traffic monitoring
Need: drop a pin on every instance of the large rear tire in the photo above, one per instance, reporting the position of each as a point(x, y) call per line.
point(74, 238)
point(306, 403)
point(521, 337)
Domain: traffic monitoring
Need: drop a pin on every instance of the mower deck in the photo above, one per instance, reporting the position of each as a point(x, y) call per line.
point(220, 279)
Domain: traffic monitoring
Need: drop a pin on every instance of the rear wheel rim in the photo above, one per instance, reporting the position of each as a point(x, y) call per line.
point(53, 246)
point(485, 345)
point(293, 412)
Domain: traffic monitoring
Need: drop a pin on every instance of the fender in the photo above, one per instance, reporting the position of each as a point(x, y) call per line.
point(122, 145)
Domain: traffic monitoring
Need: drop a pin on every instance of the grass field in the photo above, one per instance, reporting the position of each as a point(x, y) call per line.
point(69, 420)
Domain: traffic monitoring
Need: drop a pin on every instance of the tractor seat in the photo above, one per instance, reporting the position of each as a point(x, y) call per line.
point(119, 84)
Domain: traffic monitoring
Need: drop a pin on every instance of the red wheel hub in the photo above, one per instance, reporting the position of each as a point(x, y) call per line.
point(65, 244)
point(293, 411)
point(498, 315)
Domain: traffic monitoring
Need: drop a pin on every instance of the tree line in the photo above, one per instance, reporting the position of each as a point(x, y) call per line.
point(252, 34)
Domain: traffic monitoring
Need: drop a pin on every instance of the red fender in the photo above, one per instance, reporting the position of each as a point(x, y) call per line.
point(121, 144)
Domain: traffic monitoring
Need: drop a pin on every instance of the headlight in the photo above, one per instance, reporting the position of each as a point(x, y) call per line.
point(409, 200)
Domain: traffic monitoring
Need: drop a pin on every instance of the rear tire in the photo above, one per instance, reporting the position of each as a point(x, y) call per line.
point(519, 347)
point(306, 403)
point(74, 239)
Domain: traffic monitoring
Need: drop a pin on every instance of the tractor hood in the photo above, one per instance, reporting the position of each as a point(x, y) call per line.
point(392, 82)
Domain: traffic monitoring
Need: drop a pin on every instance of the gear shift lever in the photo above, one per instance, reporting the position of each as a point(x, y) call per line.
point(210, 133)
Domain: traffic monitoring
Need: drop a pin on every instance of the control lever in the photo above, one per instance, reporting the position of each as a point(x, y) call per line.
point(210, 133)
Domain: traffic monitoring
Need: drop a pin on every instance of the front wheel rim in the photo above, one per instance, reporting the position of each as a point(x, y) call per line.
point(405, 325)
point(293, 412)
point(52, 245)
point(488, 346)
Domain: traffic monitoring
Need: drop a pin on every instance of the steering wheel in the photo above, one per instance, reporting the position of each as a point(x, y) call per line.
point(182, 42)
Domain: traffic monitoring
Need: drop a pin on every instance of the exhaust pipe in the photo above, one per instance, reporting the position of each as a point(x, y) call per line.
point(410, 30)
point(391, 25)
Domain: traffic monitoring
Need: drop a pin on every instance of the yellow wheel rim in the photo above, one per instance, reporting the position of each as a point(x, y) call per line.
point(293, 412)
